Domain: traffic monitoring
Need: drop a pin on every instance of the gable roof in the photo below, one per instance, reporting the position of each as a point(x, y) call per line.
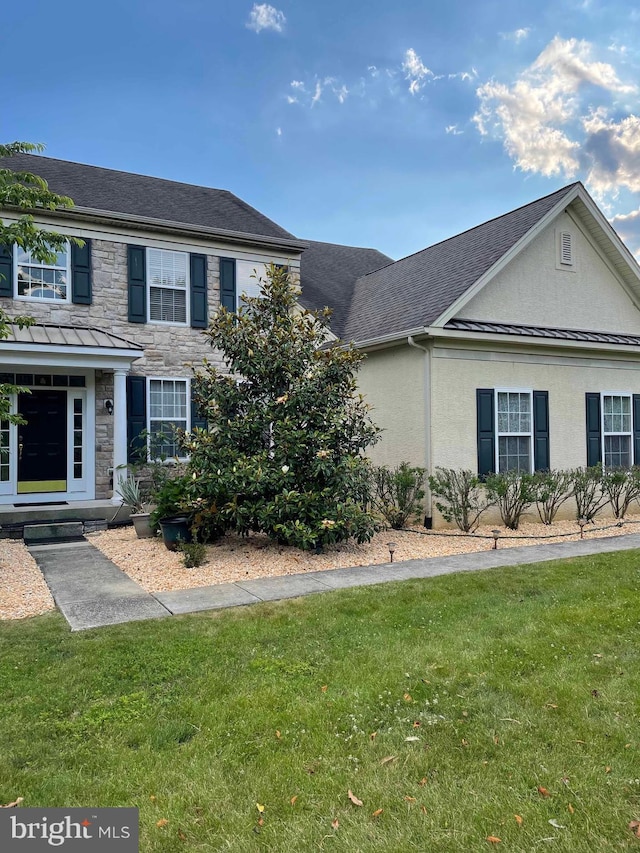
point(415, 291)
point(107, 190)
point(328, 273)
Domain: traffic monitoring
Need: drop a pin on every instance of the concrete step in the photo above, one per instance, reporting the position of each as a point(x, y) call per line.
point(56, 531)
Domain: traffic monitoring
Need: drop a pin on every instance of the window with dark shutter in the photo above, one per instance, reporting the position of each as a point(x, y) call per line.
point(485, 408)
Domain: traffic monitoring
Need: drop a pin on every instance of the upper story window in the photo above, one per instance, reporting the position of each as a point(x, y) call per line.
point(167, 281)
point(248, 275)
point(37, 280)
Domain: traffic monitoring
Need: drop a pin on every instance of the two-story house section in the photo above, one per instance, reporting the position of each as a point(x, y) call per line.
point(119, 320)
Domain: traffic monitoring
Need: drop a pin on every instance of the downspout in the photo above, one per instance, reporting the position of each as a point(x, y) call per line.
point(428, 520)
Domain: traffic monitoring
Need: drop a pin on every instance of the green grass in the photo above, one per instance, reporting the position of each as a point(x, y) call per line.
point(519, 677)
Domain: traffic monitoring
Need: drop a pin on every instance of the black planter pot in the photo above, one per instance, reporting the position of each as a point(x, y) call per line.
point(174, 531)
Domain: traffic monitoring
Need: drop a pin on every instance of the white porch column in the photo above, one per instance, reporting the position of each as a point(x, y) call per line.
point(119, 428)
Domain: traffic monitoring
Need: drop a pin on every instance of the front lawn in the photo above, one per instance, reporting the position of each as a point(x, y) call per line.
point(446, 706)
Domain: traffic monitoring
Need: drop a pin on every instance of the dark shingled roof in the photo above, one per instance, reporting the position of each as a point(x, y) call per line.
point(414, 291)
point(140, 195)
point(328, 273)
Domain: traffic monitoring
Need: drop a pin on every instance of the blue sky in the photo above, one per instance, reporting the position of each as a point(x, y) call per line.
point(392, 125)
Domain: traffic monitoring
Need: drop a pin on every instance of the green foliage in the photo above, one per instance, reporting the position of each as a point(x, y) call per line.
point(587, 490)
point(24, 191)
point(283, 454)
point(461, 496)
point(512, 492)
point(551, 490)
point(170, 499)
point(621, 488)
point(397, 493)
point(193, 554)
point(129, 490)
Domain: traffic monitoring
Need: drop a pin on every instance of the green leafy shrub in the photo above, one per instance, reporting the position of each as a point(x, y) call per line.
point(621, 487)
point(513, 493)
point(193, 554)
point(171, 499)
point(461, 497)
point(397, 493)
point(283, 452)
point(551, 490)
point(587, 490)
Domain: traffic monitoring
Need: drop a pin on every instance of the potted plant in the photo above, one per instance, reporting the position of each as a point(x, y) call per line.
point(169, 514)
point(131, 494)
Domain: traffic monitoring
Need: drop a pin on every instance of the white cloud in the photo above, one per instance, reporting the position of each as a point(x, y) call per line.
point(453, 130)
point(297, 84)
point(541, 117)
point(613, 152)
point(291, 99)
point(265, 17)
point(317, 94)
point(278, 131)
point(517, 35)
point(416, 72)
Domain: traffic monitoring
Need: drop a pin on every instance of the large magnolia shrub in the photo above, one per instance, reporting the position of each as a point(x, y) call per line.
point(283, 452)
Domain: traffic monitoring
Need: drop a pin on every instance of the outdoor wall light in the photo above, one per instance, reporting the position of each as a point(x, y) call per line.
point(496, 536)
point(108, 404)
point(392, 548)
point(582, 522)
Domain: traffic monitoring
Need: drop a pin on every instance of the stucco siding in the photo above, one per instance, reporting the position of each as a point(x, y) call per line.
point(532, 290)
point(392, 382)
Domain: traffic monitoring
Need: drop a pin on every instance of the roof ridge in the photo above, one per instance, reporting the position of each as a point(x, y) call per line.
point(564, 189)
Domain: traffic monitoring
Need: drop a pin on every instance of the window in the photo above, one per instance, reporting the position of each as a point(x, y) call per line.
point(616, 430)
point(248, 275)
point(36, 280)
point(514, 432)
point(168, 411)
point(167, 283)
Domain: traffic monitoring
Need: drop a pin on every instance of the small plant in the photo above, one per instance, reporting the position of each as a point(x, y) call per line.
point(462, 497)
point(170, 500)
point(129, 490)
point(551, 490)
point(587, 490)
point(193, 554)
point(513, 493)
point(621, 488)
point(398, 494)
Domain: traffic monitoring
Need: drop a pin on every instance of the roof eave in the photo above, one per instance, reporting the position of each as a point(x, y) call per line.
point(439, 333)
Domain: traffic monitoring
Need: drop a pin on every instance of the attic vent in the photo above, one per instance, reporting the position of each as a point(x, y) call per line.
point(566, 249)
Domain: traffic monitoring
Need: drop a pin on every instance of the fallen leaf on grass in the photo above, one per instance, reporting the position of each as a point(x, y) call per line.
point(373, 735)
point(278, 735)
point(388, 759)
point(607, 770)
point(417, 724)
point(324, 688)
point(518, 819)
point(152, 798)
point(293, 799)
point(543, 791)
point(496, 740)
point(410, 799)
point(583, 742)
point(353, 798)
point(509, 720)
point(411, 739)
point(550, 705)
point(423, 782)
point(162, 822)
point(423, 809)
point(260, 821)
point(465, 742)
point(555, 824)
point(494, 839)
point(181, 835)
point(335, 823)
point(377, 813)
point(260, 807)
point(634, 826)
point(570, 809)
point(407, 697)
point(12, 805)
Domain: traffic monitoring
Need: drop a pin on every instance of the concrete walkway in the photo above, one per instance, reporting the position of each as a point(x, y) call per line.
point(91, 591)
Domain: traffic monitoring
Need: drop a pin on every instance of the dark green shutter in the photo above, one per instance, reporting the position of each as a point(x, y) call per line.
point(6, 271)
point(198, 275)
point(594, 440)
point(137, 285)
point(486, 431)
point(636, 429)
point(228, 284)
point(541, 430)
point(196, 418)
point(81, 273)
point(136, 417)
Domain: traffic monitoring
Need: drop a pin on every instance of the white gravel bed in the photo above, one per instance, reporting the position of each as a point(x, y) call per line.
point(23, 591)
point(231, 559)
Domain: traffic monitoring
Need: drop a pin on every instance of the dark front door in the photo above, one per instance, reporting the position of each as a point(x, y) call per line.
point(42, 442)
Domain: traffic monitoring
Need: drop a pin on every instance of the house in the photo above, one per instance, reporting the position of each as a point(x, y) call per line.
point(513, 345)
point(118, 321)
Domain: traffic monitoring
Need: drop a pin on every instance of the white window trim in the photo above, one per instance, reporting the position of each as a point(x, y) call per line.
point(187, 288)
point(38, 299)
point(604, 394)
point(187, 381)
point(500, 435)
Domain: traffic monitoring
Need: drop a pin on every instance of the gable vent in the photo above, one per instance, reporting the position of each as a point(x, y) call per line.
point(566, 249)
